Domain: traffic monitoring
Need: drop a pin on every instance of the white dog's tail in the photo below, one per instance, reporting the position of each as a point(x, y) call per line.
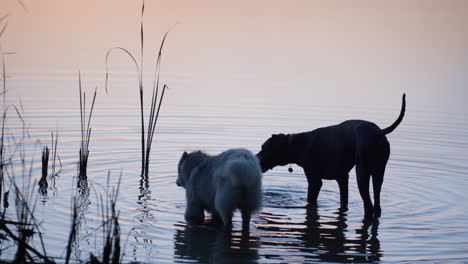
point(241, 182)
point(247, 176)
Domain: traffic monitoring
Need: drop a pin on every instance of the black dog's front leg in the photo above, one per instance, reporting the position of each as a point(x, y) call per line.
point(343, 184)
point(315, 184)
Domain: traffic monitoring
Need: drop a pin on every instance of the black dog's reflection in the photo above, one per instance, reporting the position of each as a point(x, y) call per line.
point(319, 238)
point(328, 237)
point(323, 238)
point(210, 245)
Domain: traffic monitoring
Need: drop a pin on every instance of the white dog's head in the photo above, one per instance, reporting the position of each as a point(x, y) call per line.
point(187, 163)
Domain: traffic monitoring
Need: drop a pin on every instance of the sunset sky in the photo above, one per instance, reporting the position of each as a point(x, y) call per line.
point(320, 50)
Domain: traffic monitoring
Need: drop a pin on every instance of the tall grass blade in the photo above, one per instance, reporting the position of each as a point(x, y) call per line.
point(3, 159)
point(81, 109)
point(55, 157)
point(29, 225)
point(111, 250)
point(147, 133)
point(85, 129)
point(141, 91)
point(45, 165)
point(3, 29)
point(20, 2)
point(153, 117)
point(3, 79)
point(131, 57)
point(25, 199)
point(92, 107)
point(3, 17)
point(45, 161)
point(73, 230)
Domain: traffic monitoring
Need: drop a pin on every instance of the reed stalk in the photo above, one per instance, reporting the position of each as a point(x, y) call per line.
point(85, 129)
point(73, 230)
point(147, 132)
point(55, 157)
point(45, 161)
point(2, 135)
point(26, 223)
point(45, 165)
point(4, 160)
point(3, 18)
point(112, 249)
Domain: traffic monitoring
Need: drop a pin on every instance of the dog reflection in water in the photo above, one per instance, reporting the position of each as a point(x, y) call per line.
point(206, 244)
point(319, 237)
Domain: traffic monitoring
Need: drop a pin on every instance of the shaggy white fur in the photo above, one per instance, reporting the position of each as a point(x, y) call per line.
point(221, 184)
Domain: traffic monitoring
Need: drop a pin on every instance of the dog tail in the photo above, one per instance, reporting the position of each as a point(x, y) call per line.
point(245, 175)
point(390, 129)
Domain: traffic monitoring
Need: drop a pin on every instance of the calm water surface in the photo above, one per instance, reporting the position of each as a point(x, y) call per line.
point(423, 199)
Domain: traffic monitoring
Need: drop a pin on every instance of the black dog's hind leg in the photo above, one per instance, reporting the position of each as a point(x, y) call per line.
point(343, 184)
point(363, 178)
point(315, 183)
point(377, 181)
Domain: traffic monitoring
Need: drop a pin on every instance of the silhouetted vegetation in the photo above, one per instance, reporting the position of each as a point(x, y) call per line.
point(43, 184)
point(21, 232)
point(147, 133)
point(111, 252)
point(85, 130)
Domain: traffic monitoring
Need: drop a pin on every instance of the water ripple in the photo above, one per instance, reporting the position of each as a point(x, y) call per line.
point(423, 218)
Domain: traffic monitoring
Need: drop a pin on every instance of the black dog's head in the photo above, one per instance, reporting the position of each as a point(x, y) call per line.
point(274, 152)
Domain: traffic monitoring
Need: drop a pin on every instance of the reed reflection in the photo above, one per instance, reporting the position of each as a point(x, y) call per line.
point(144, 201)
point(141, 233)
point(80, 204)
point(43, 184)
point(145, 192)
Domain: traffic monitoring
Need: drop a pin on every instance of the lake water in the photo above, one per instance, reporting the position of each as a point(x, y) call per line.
point(235, 80)
point(423, 198)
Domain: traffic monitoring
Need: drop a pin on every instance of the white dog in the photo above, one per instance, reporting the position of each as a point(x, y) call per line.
point(220, 185)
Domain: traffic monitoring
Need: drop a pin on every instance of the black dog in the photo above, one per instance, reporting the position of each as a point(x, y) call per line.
point(331, 152)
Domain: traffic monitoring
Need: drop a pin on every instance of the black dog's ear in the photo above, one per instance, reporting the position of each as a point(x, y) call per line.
point(277, 135)
point(184, 156)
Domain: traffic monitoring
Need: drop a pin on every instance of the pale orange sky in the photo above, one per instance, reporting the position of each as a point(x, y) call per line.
point(354, 47)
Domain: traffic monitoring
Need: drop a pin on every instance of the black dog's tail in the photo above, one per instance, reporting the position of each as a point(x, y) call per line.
point(389, 129)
